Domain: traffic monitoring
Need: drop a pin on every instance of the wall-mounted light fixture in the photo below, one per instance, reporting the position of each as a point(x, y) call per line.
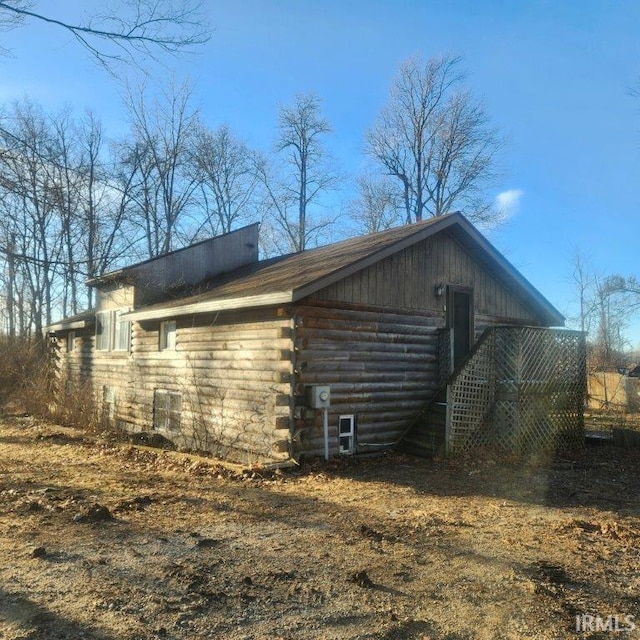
point(439, 290)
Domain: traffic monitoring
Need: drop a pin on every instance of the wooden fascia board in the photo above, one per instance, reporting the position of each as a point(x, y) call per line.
point(210, 306)
point(381, 254)
point(67, 326)
point(551, 313)
point(124, 276)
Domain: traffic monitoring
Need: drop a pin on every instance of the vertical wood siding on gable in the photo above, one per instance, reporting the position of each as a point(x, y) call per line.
point(407, 280)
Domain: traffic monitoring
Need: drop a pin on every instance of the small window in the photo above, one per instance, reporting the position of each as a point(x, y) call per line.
point(122, 330)
point(347, 434)
point(167, 407)
point(168, 335)
point(71, 341)
point(103, 331)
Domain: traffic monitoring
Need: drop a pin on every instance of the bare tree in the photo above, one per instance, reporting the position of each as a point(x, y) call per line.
point(105, 196)
point(606, 304)
point(582, 278)
point(130, 30)
point(63, 213)
point(435, 140)
point(160, 154)
point(27, 188)
point(66, 188)
point(377, 205)
point(612, 318)
point(296, 187)
point(226, 172)
point(629, 286)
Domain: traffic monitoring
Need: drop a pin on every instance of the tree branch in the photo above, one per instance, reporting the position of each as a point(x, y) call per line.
point(156, 25)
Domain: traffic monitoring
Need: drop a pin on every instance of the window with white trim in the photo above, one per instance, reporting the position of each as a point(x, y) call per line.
point(103, 331)
point(167, 407)
point(168, 335)
point(112, 332)
point(71, 341)
point(347, 434)
point(122, 331)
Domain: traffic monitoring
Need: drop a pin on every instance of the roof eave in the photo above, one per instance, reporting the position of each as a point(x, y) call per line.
point(124, 276)
point(551, 315)
point(68, 326)
point(210, 306)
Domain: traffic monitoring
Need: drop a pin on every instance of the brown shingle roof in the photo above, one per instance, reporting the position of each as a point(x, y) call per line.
point(291, 272)
point(292, 277)
point(299, 271)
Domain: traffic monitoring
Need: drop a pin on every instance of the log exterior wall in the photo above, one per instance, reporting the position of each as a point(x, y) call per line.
point(232, 371)
point(381, 365)
point(374, 336)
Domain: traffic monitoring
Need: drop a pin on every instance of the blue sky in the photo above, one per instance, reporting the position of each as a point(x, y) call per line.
point(554, 76)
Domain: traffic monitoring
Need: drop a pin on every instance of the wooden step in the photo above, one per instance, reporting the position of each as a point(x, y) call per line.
point(417, 449)
point(426, 438)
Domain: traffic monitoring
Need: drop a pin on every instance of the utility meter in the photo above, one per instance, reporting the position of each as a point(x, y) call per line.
point(319, 396)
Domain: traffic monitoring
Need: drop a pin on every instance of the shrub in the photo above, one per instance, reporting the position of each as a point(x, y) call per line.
point(25, 380)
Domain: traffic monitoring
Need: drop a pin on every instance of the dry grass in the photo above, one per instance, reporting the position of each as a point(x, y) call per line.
point(380, 548)
point(608, 420)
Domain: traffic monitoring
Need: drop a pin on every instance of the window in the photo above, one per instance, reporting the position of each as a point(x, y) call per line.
point(347, 434)
point(71, 341)
point(112, 332)
point(168, 335)
point(103, 330)
point(122, 330)
point(167, 406)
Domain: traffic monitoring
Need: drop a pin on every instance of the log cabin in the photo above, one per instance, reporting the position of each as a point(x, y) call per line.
point(347, 348)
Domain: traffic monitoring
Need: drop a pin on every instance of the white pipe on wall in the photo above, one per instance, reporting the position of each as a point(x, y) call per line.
point(326, 433)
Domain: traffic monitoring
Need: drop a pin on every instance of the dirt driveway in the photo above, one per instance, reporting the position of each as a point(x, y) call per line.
point(106, 541)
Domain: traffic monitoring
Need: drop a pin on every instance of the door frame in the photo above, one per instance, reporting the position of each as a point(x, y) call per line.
point(452, 289)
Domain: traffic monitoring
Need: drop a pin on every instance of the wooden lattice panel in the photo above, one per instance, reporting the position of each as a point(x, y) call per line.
point(522, 389)
point(444, 355)
point(470, 398)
